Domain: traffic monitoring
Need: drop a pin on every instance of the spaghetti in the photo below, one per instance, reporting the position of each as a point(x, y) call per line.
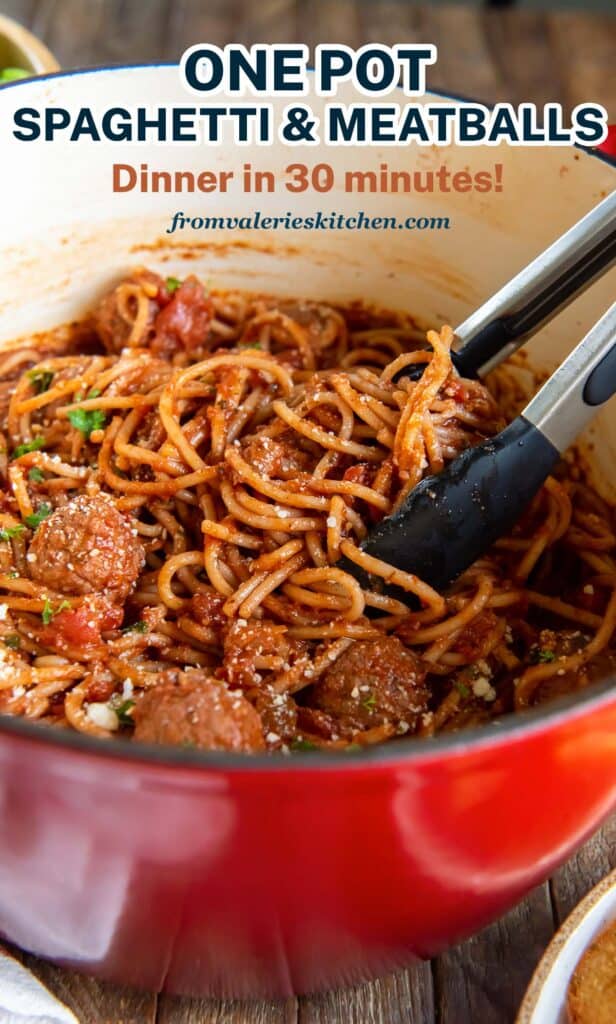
point(181, 475)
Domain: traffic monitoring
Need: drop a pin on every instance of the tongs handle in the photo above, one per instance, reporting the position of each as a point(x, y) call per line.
point(586, 379)
point(503, 323)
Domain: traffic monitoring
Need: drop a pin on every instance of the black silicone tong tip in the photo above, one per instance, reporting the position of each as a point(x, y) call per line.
point(449, 520)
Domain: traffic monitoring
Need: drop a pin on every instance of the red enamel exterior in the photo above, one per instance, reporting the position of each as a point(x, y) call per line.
point(272, 879)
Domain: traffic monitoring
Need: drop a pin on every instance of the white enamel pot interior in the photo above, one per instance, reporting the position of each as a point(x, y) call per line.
point(66, 236)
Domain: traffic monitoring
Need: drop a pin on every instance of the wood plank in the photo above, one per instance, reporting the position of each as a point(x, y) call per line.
point(102, 31)
point(484, 979)
point(522, 49)
point(21, 10)
point(595, 860)
point(273, 21)
point(390, 22)
point(93, 1002)
point(74, 32)
point(465, 65)
point(319, 22)
point(133, 32)
point(192, 21)
point(179, 1010)
point(584, 46)
point(402, 998)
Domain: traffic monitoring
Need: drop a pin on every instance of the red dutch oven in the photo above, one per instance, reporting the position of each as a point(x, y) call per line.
point(199, 873)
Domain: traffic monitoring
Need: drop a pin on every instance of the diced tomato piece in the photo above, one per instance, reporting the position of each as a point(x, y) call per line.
point(361, 473)
point(82, 626)
point(184, 322)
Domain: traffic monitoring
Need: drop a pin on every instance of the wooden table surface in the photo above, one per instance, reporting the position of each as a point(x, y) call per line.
point(491, 55)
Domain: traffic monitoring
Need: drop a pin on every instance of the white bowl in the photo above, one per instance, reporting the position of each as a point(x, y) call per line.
point(20, 49)
point(546, 999)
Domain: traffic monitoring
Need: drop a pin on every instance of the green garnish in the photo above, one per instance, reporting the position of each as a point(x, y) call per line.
point(49, 612)
point(137, 627)
point(544, 654)
point(123, 712)
point(172, 283)
point(94, 393)
point(29, 446)
point(36, 475)
point(250, 344)
point(11, 531)
point(40, 380)
point(369, 702)
point(13, 74)
point(34, 521)
point(14, 575)
point(87, 420)
point(461, 688)
point(300, 744)
point(12, 641)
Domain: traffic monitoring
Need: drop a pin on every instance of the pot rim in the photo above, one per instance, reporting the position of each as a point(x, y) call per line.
point(515, 725)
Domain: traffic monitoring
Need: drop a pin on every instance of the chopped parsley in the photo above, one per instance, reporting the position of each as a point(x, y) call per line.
point(172, 284)
point(137, 627)
point(250, 344)
point(87, 420)
point(36, 475)
point(94, 393)
point(40, 380)
point(14, 575)
point(462, 688)
point(369, 702)
point(300, 744)
point(12, 641)
point(49, 612)
point(34, 521)
point(29, 446)
point(123, 711)
point(11, 531)
point(544, 655)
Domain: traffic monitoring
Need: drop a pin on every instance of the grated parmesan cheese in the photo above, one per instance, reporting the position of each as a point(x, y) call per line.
point(103, 716)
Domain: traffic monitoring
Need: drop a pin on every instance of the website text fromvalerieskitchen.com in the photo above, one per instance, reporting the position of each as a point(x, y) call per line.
point(319, 221)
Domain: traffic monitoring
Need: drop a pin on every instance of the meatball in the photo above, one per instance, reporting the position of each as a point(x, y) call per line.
point(251, 648)
point(87, 547)
point(192, 709)
point(278, 713)
point(276, 457)
point(375, 682)
point(554, 646)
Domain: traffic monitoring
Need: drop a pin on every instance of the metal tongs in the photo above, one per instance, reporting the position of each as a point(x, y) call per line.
point(450, 519)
